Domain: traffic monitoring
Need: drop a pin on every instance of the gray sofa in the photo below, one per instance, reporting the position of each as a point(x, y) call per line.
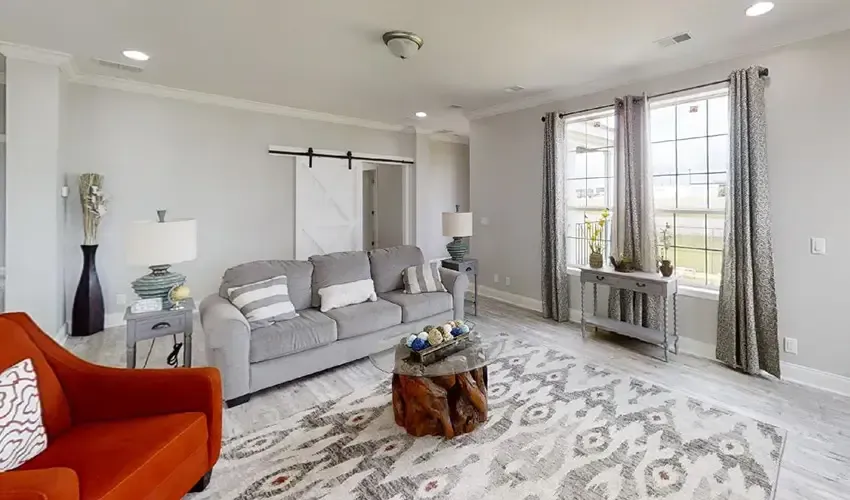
point(253, 360)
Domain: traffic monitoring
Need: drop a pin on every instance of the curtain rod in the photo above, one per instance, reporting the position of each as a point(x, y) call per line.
point(763, 73)
point(348, 156)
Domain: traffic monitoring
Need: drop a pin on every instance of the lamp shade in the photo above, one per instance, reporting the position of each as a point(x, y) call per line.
point(151, 243)
point(457, 224)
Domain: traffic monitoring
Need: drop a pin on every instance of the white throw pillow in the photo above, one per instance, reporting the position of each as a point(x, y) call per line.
point(346, 294)
point(22, 434)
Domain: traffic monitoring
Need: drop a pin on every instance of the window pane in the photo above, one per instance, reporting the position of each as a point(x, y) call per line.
point(576, 136)
point(664, 158)
point(576, 165)
point(718, 115)
point(717, 186)
point(664, 192)
point(691, 119)
point(576, 193)
point(661, 221)
point(690, 231)
point(718, 153)
point(692, 156)
point(715, 266)
point(611, 125)
point(575, 235)
point(596, 164)
point(597, 193)
point(662, 124)
point(690, 266)
point(597, 134)
point(715, 223)
point(692, 191)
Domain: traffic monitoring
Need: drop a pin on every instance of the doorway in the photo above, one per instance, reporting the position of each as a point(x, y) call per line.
point(370, 206)
point(389, 205)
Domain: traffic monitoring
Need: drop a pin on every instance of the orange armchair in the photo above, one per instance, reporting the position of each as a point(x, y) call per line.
point(112, 433)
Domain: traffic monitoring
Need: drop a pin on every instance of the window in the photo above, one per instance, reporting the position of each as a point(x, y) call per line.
point(690, 162)
point(590, 180)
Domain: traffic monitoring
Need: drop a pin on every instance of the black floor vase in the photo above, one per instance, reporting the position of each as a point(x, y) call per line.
point(87, 317)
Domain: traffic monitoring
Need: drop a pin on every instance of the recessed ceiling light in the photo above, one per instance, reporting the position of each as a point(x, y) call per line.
point(515, 88)
point(760, 9)
point(421, 114)
point(136, 55)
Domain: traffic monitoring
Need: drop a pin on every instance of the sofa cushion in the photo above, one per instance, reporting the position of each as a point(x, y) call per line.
point(420, 305)
point(367, 317)
point(18, 346)
point(118, 459)
point(298, 278)
point(337, 268)
point(388, 263)
point(310, 329)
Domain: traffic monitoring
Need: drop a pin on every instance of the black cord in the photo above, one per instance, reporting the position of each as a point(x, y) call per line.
point(172, 358)
point(145, 365)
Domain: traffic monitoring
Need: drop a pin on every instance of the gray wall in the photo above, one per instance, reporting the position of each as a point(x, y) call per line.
point(446, 185)
point(390, 187)
point(808, 129)
point(201, 161)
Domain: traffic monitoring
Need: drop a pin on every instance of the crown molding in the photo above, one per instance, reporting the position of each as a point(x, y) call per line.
point(453, 138)
point(65, 62)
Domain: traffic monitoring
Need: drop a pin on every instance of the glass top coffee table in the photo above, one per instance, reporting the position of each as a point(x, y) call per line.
point(445, 398)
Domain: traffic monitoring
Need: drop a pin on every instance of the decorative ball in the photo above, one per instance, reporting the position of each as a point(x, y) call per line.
point(447, 336)
point(459, 322)
point(422, 336)
point(464, 328)
point(453, 323)
point(410, 340)
point(428, 328)
point(447, 328)
point(435, 331)
point(456, 331)
point(418, 345)
point(178, 293)
point(435, 337)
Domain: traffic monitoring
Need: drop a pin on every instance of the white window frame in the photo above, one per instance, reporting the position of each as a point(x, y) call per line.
point(705, 290)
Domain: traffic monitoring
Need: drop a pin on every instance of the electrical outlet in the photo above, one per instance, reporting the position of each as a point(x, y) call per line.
point(818, 246)
point(507, 281)
point(121, 299)
point(495, 278)
point(790, 345)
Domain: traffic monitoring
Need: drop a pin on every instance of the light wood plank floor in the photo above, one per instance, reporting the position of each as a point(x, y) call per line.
point(816, 463)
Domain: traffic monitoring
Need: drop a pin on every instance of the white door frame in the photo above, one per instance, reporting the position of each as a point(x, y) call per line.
point(408, 180)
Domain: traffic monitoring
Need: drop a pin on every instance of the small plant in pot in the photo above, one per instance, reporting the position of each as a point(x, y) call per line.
point(664, 244)
point(594, 232)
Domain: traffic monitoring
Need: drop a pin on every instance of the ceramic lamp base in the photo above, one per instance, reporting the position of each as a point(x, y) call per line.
point(457, 248)
point(158, 283)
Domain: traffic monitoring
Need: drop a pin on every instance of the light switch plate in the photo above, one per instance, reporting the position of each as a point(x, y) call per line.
point(818, 246)
point(790, 345)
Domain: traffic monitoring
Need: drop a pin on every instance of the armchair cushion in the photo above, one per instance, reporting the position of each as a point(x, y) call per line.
point(51, 484)
point(120, 459)
point(18, 346)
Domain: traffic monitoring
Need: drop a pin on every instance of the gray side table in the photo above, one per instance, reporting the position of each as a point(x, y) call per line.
point(468, 266)
point(150, 325)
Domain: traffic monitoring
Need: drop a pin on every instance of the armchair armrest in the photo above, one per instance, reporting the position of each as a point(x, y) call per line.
point(457, 284)
point(100, 393)
point(40, 484)
point(228, 345)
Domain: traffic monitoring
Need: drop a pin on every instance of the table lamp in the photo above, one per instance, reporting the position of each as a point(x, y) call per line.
point(157, 245)
point(458, 225)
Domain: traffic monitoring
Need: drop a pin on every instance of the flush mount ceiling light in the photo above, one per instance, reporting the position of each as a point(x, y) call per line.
point(421, 114)
point(136, 55)
point(402, 44)
point(514, 88)
point(760, 9)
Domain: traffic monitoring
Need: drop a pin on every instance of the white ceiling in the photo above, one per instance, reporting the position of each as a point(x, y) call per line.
point(327, 55)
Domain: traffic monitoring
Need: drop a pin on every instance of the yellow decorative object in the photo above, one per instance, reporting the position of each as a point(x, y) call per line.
point(179, 293)
point(435, 337)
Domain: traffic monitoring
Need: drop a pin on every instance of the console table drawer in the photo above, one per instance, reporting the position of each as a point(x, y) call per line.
point(157, 327)
point(626, 283)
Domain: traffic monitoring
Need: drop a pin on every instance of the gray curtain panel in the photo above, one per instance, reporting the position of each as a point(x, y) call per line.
point(555, 283)
point(747, 335)
point(634, 221)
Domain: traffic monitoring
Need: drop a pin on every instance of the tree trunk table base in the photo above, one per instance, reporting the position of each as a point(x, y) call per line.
point(447, 406)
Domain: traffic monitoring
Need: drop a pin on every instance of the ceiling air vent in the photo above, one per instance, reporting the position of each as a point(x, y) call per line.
point(118, 66)
point(673, 40)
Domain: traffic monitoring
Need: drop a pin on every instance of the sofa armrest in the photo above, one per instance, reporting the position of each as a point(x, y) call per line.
point(228, 344)
point(457, 284)
point(40, 484)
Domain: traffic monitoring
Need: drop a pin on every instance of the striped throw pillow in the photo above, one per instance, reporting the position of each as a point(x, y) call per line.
point(264, 302)
point(422, 278)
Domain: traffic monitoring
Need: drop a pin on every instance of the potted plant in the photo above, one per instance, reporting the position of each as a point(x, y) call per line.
point(595, 231)
point(664, 243)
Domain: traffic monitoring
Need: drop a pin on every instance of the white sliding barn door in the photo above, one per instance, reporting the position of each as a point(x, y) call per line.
point(328, 206)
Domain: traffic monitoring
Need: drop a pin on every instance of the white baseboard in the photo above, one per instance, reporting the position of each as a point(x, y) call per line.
point(510, 298)
point(791, 372)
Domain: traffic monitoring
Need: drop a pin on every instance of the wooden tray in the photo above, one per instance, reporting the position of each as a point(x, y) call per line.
point(437, 353)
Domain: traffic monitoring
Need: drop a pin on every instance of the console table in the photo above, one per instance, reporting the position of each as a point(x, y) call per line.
point(641, 282)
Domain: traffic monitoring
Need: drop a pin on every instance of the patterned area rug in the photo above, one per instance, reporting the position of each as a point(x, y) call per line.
point(558, 428)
